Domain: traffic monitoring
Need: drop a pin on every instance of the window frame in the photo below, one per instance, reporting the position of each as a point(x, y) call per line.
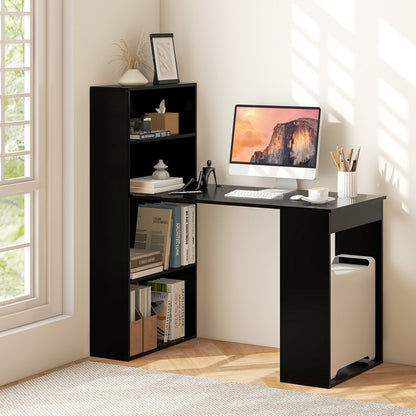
point(45, 183)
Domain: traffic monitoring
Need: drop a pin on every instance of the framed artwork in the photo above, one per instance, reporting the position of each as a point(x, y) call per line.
point(164, 58)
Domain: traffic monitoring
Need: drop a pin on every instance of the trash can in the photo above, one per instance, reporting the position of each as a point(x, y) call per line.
point(352, 310)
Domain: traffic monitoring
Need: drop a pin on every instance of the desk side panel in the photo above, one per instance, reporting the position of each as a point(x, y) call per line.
point(109, 223)
point(305, 297)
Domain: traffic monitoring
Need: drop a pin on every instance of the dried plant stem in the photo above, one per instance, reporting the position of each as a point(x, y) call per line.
point(127, 59)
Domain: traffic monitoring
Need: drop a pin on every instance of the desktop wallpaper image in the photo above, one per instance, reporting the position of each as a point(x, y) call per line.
point(275, 136)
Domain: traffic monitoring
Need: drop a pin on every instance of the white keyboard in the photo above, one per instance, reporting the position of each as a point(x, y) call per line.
point(262, 194)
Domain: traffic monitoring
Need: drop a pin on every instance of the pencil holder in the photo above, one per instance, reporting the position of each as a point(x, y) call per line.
point(347, 184)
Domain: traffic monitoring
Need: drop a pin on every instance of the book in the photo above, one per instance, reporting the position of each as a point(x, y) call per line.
point(154, 134)
point(142, 299)
point(146, 266)
point(153, 231)
point(162, 305)
point(192, 235)
point(175, 245)
point(142, 258)
point(152, 183)
point(140, 190)
point(177, 288)
point(170, 287)
point(188, 219)
point(132, 304)
point(146, 272)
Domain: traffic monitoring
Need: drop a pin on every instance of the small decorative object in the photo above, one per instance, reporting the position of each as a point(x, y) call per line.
point(131, 62)
point(133, 77)
point(162, 108)
point(164, 59)
point(204, 176)
point(146, 123)
point(160, 172)
point(141, 124)
point(161, 120)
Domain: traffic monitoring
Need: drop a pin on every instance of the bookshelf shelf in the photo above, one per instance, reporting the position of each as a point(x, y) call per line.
point(164, 273)
point(114, 160)
point(174, 137)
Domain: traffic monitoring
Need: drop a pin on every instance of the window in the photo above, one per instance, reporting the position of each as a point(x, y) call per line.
point(30, 203)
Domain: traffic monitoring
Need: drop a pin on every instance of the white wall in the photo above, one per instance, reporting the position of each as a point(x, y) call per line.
point(355, 59)
point(238, 277)
point(90, 29)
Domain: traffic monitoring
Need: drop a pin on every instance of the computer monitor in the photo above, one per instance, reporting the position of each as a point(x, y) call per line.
point(275, 141)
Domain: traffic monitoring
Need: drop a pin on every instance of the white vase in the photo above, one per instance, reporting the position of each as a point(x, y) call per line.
point(133, 77)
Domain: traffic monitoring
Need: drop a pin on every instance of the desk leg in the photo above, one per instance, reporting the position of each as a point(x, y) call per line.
point(305, 297)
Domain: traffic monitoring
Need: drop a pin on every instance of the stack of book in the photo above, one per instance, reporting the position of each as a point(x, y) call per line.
point(168, 301)
point(149, 185)
point(153, 134)
point(144, 262)
point(169, 228)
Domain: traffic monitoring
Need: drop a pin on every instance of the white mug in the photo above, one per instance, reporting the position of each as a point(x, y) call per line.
point(318, 194)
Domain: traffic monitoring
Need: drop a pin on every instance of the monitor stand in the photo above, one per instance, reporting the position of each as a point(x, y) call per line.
point(285, 184)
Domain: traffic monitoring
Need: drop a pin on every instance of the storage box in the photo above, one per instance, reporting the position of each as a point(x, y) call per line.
point(136, 337)
point(165, 121)
point(143, 334)
point(353, 310)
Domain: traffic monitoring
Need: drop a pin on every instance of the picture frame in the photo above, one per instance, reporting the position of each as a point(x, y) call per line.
point(164, 58)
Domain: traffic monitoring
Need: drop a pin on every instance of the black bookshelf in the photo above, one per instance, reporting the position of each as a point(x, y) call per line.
point(114, 159)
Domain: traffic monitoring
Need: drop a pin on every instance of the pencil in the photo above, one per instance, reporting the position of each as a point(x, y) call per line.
point(335, 160)
point(349, 159)
point(344, 167)
point(356, 159)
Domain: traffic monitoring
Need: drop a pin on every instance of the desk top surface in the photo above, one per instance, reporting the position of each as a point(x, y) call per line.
point(215, 195)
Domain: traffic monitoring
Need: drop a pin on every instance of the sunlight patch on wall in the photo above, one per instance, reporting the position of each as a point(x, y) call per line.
point(305, 48)
point(342, 107)
point(393, 125)
point(305, 58)
point(302, 96)
point(393, 150)
point(393, 112)
point(396, 51)
point(398, 180)
point(306, 74)
point(305, 23)
point(341, 11)
point(340, 53)
point(394, 100)
point(321, 63)
point(341, 79)
point(341, 90)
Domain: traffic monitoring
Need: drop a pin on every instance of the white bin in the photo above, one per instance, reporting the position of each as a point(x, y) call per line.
point(352, 310)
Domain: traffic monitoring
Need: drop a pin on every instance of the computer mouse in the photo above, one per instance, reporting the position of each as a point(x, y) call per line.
point(297, 197)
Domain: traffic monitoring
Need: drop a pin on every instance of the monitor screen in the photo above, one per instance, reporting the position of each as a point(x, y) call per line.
point(277, 141)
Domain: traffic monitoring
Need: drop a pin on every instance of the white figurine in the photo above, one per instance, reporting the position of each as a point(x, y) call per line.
point(160, 172)
point(162, 107)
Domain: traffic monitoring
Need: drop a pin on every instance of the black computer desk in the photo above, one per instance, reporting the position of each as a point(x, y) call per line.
point(305, 274)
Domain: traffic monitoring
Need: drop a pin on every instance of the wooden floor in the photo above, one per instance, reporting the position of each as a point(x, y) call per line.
point(387, 383)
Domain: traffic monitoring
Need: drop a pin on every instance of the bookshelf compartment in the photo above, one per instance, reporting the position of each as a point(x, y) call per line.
point(179, 154)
